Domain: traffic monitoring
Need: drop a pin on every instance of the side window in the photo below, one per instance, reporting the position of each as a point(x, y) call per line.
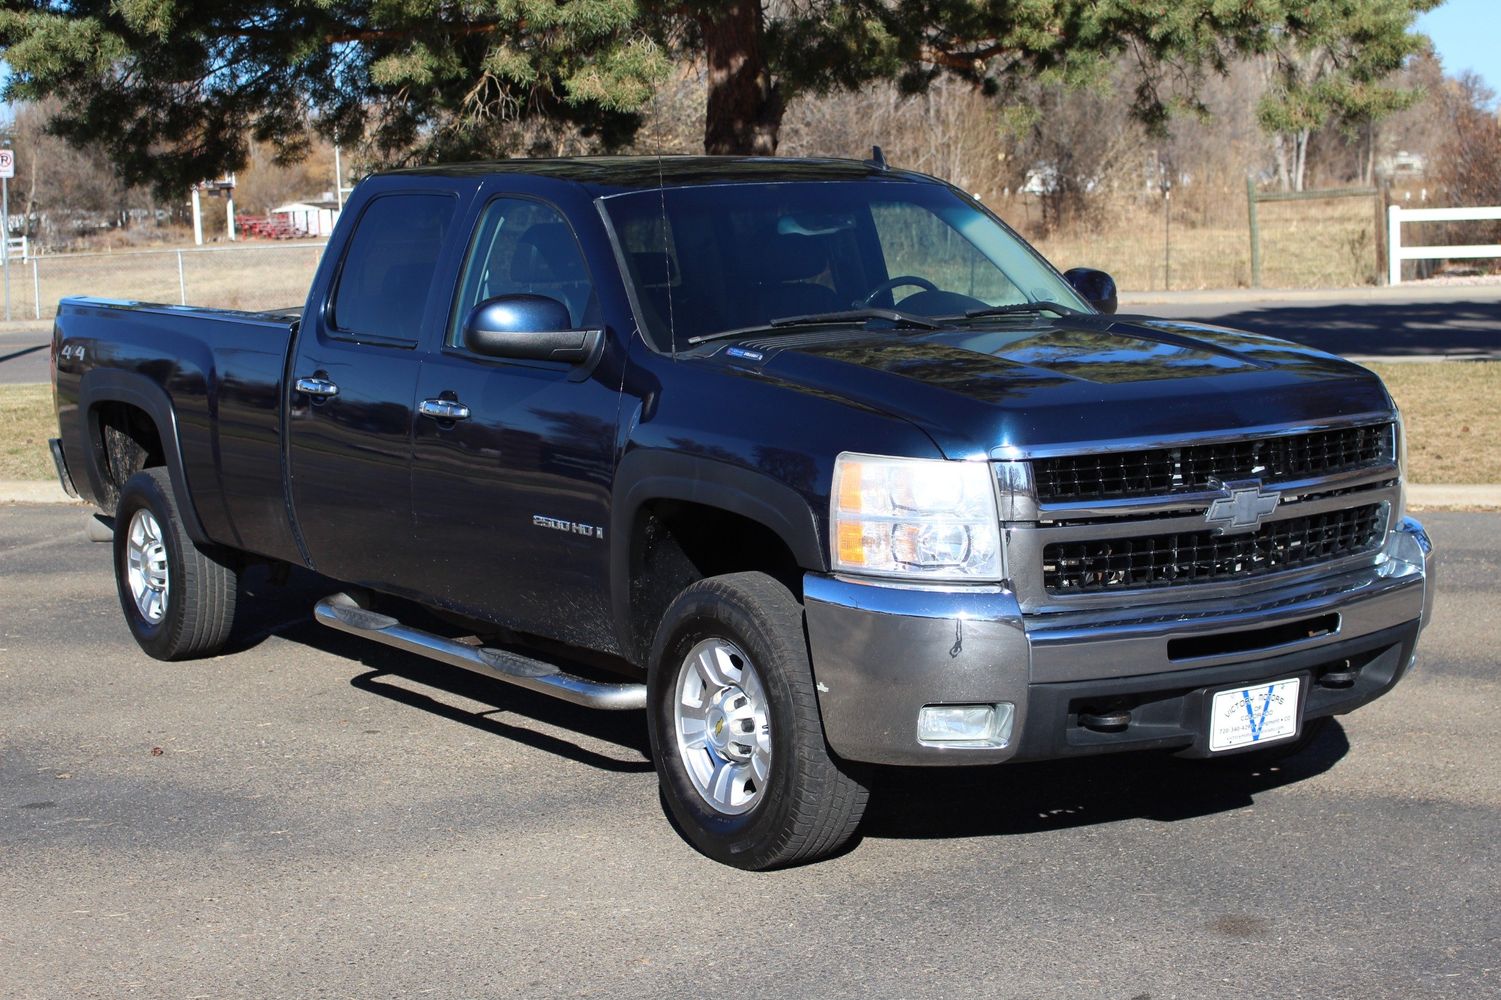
point(387, 273)
point(523, 247)
point(915, 241)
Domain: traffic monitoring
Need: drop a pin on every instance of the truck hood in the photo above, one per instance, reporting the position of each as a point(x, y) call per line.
point(1005, 390)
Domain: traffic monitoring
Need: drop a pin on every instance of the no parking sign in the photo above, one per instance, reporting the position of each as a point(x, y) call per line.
point(7, 163)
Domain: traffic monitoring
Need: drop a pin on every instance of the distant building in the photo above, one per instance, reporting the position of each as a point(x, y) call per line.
point(315, 218)
point(1402, 165)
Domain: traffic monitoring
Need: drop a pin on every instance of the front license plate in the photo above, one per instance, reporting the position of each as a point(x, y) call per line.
point(1246, 715)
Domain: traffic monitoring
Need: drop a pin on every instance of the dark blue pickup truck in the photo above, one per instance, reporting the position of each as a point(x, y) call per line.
point(815, 461)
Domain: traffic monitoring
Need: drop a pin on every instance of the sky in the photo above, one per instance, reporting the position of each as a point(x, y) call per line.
point(1467, 35)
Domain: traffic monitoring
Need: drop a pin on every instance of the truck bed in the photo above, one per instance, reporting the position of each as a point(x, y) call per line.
point(219, 374)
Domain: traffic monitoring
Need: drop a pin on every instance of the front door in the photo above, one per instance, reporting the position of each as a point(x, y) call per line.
point(511, 500)
point(354, 379)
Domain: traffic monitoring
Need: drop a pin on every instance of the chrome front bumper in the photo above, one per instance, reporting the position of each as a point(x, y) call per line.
point(881, 652)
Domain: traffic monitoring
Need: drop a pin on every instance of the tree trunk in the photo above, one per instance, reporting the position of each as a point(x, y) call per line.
point(1300, 163)
point(745, 106)
point(1279, 150)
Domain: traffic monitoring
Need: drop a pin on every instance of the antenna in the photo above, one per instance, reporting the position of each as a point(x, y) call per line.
point(877, 158)
point(672, 326)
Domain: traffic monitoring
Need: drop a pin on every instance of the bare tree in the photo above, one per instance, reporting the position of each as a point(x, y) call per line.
point(63, 192)
point(266, 182)
point(1467, 163)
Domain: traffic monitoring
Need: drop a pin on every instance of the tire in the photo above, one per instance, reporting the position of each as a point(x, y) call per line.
point(782, 798)
point(178, 599)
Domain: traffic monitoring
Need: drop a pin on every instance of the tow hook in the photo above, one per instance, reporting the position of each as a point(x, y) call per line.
point(1112, 721)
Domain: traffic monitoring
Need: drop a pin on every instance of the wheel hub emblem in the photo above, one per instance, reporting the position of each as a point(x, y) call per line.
point(717, 728)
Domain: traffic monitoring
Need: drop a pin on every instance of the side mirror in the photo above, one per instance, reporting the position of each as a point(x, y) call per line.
point(528, 328)
point(1097, 287)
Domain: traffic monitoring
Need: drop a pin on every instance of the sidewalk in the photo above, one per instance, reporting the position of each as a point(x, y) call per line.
point(1412, 291)
point(1444, 497)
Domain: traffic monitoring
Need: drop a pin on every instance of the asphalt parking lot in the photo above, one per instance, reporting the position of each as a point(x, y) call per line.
point(317, 816)
point(1409, 321)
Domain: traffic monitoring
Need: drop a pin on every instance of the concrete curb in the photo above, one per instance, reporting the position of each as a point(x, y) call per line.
point(1410, 292)
point(35, 491)
point(1480, 496)
point(1474, 497)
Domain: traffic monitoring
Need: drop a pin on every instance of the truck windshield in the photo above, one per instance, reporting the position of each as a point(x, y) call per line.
point(708, 259)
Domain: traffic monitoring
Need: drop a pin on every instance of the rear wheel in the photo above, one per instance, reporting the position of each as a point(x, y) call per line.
point(735, 730)
point(178, 598)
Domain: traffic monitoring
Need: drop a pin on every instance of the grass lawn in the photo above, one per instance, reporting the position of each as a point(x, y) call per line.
point(1452, 409)
point(26, 416)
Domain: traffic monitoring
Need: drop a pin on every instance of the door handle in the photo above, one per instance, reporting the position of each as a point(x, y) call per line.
point(443, 409)
point(320, 387)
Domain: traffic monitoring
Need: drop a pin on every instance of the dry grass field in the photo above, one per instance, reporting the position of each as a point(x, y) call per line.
point(26, 415)
point(1308, 244)
point(1443, 447)
point(1452, 410)
point(250, 276)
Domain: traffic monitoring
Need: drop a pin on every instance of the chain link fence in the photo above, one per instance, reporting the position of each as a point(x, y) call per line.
point(1313, 239)
point(239, 277)
point(1173, 249)
point(1308, 240)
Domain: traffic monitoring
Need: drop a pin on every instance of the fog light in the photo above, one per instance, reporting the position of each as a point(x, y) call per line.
point(966, 725)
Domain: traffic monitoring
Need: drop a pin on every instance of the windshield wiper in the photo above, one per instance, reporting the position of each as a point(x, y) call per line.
point(895, 316)
point(1014, 308)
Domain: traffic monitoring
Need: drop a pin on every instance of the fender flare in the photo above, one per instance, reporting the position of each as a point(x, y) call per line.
point(102, 386)
point(651, 474)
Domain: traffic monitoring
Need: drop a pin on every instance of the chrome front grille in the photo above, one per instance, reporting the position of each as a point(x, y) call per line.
point(1166, 471)
point(1184, 558)
point(1124, 527)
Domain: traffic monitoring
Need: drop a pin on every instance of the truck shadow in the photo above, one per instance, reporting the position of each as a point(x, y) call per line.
point(1379, 329)
point(919, 804)
point(504, 711)
point(906, 803)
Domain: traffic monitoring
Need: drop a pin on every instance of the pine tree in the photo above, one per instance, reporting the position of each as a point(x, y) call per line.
point(175, 90)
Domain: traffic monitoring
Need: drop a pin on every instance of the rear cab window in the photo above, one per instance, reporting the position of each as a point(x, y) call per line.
point(386, 278)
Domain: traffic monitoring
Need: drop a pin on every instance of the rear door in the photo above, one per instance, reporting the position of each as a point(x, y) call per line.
point(353, 382)
point(510, 502)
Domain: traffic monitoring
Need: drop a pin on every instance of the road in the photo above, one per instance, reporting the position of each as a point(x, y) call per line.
point(1367, 323)
point(23, 352)
point(318, 816)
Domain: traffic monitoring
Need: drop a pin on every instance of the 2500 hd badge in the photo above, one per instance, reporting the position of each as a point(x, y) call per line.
point(572, 527)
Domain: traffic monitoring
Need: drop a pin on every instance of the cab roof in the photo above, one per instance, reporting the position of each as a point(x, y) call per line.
point(609, 174)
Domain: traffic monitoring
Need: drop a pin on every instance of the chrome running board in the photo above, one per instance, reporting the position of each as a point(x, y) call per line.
point(339, 611)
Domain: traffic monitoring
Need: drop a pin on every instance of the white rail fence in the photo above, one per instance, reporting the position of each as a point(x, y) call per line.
point(252, 277)
point(1396, 215)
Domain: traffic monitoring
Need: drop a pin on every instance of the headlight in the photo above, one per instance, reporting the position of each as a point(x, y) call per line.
point(915, 517)
point(1400, 430)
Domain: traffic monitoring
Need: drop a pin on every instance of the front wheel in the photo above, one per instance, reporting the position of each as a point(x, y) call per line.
point(735, 729)
point(178, 598)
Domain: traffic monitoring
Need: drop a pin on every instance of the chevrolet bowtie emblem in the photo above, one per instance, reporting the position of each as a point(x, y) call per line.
point(1240, 507)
